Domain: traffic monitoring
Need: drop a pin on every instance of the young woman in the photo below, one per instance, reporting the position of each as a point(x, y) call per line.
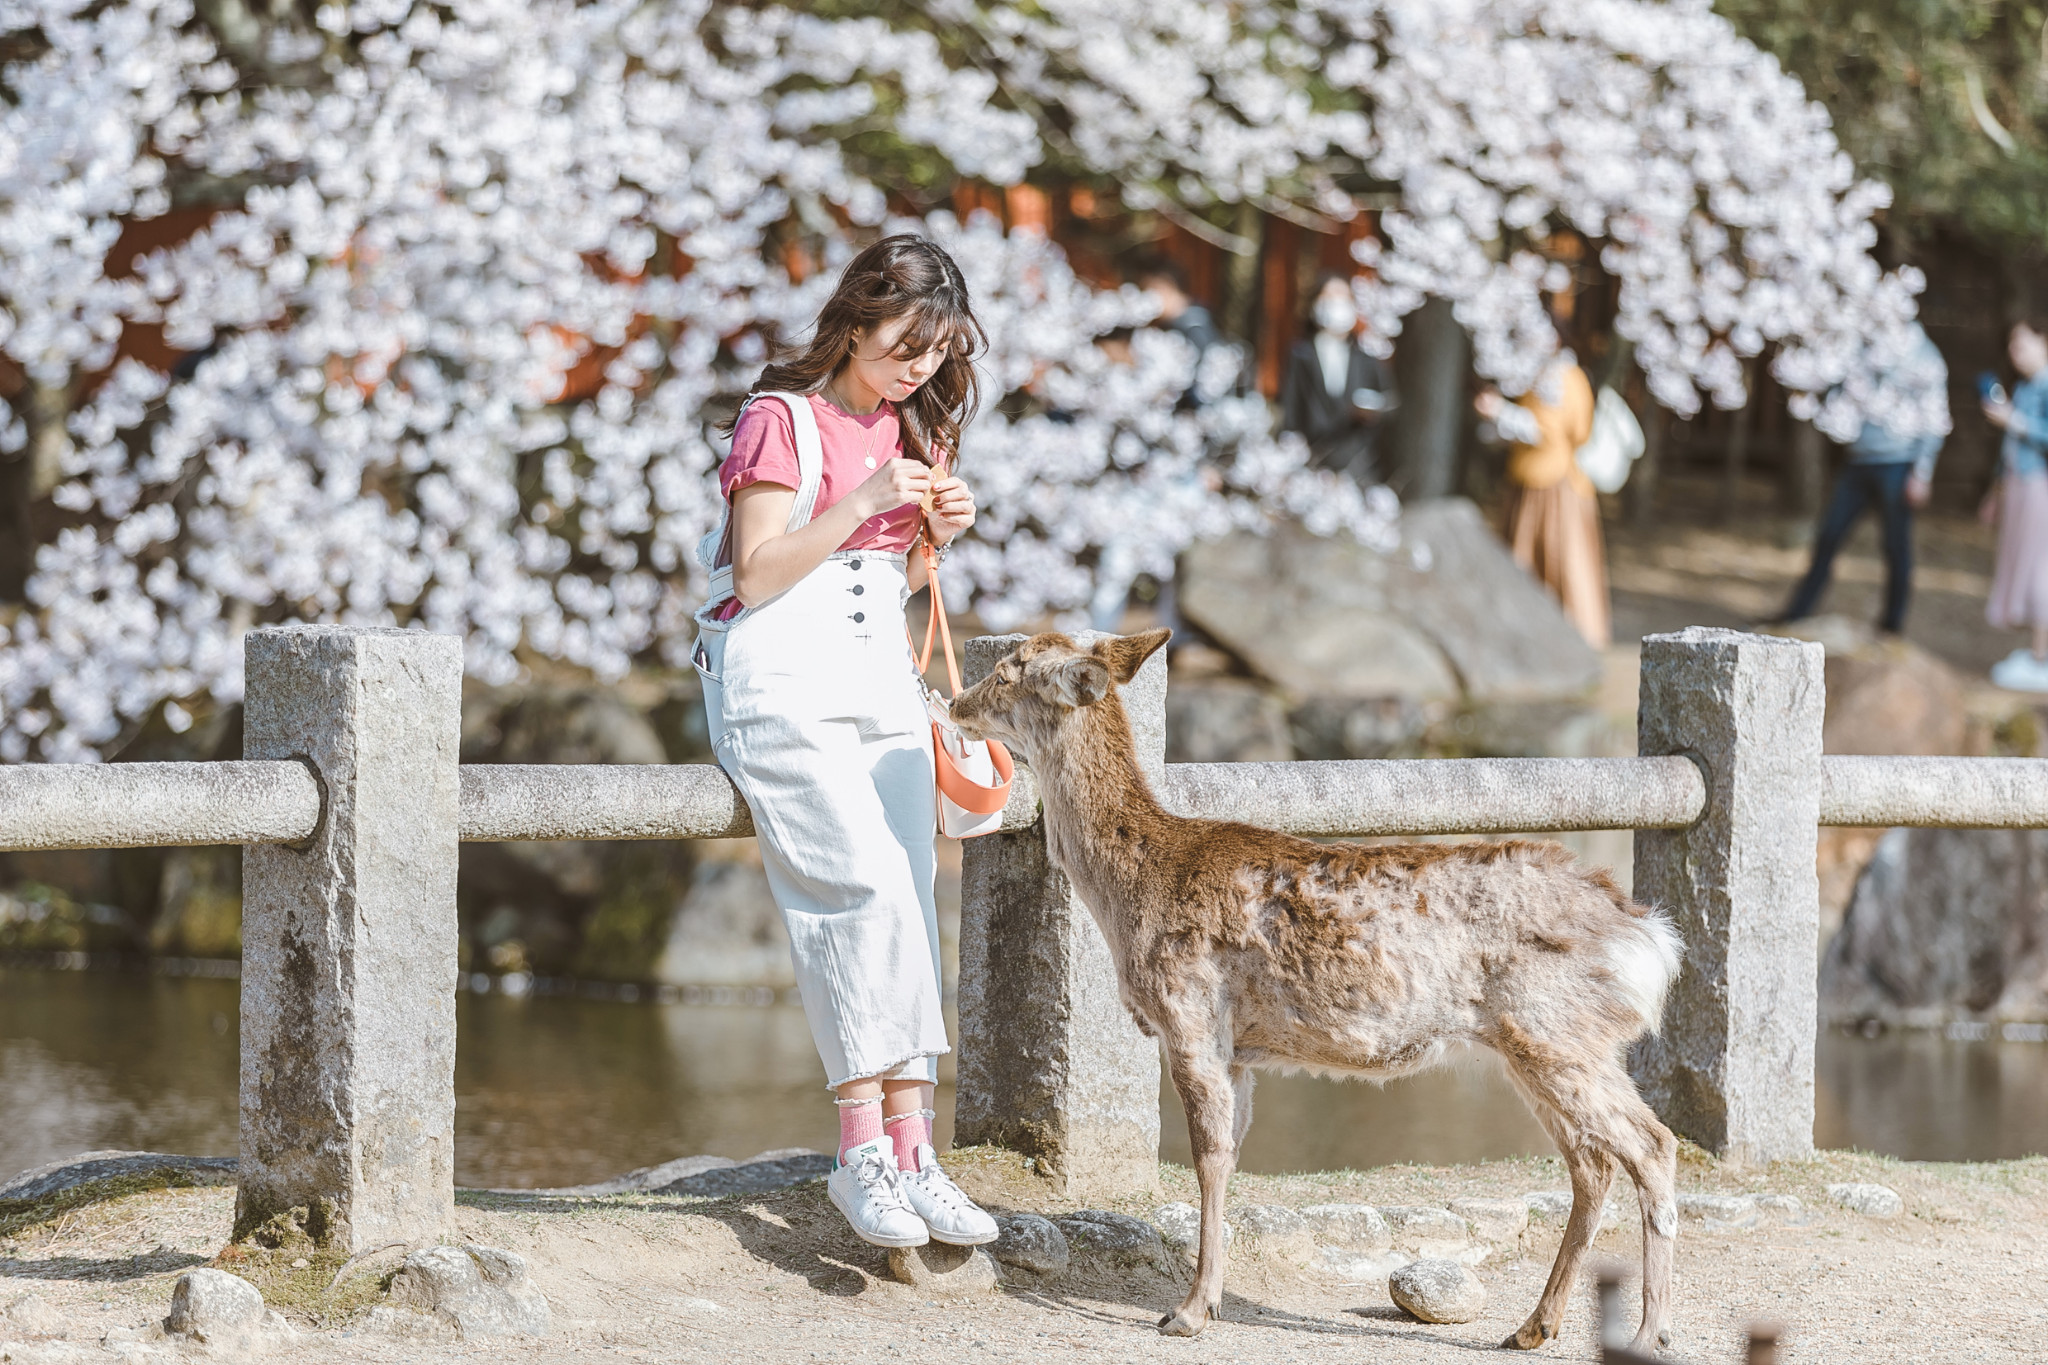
point(2019, 504)
point(818, 714)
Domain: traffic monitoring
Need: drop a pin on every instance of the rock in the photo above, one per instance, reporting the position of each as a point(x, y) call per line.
point(1268, 1220)
point(727, 929)
point(1786, 1206)
point(1273, 1230)
point(1180, 1228)
point(1359, 1267)
point(1493, 1220)
point(74, 1172)
point(1719, 1210)
point(1555, 1206)
point(1447, 613)
point(1031, 1243)
point(480, 1290)
point(215, 1308)
point(1872, 1201)
point(1375, 727)
point(1358, 1227)
point(1225, 720)
point(1113, 1240)
point(776, 1170)
point(1437, 1290)
point(1944, 923)
point(1425, 1231)
point(944, 1271)
point(31, 1315)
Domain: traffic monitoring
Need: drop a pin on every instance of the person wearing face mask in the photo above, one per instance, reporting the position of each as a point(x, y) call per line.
point(1335, 394)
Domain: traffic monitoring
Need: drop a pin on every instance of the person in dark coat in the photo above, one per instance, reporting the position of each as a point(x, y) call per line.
point(1334, 393)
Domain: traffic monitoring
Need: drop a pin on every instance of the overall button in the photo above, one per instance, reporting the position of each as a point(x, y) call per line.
point(859, 616)
point(853, 564)
point(858, 589)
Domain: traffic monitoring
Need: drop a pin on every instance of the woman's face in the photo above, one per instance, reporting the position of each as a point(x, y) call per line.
point(876, 367)
point(2028, 349)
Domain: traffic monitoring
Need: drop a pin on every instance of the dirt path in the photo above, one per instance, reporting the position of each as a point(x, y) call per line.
point(1959, 1277)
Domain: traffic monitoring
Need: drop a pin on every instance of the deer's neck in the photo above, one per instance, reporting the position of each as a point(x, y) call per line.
point(1103, 823)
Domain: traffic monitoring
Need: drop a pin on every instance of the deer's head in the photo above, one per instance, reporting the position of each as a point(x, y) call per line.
point(1035, 687)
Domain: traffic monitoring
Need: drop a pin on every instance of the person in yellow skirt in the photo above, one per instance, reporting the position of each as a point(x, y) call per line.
point(1553, 525)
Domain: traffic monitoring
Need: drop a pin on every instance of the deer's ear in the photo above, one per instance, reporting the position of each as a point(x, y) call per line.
point(1127, 653)
point(1080, 681)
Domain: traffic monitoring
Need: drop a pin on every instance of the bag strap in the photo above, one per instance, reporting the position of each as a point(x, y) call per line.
point(810, 474)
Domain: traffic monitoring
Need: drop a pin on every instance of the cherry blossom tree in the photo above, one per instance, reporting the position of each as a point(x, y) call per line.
point(483, 274)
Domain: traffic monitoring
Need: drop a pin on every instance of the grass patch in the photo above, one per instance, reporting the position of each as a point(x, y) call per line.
point(298, 1279)
point(18, 1216)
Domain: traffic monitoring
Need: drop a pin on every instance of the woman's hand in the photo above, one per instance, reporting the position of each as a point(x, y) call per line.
point(1987, 510)
point(895, 484)
point(952, 508)
point(1488, 403)
point(1998, 414)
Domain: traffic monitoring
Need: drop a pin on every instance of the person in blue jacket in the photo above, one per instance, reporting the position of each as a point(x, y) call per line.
point(1891, 472)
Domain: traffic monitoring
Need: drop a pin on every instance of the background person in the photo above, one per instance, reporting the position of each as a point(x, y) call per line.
point(1895, 473)
point(2019, 504)
point(818, 714)
point(1335, 394)
point(1553, 513)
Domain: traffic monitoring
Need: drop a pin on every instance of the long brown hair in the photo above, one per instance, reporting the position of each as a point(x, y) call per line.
point(904, 274)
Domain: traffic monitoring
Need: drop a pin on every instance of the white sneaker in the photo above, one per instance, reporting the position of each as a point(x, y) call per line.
point(2020, 671)
point(867, 1189)
point(952, 1217)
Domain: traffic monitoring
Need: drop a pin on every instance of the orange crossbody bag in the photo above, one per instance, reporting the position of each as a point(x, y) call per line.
point(973, 775)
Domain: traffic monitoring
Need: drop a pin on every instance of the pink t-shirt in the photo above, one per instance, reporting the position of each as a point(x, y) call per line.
point(855, 446)
point(764, 451)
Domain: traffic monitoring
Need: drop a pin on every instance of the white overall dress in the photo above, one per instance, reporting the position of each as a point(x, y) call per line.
point(818, 716)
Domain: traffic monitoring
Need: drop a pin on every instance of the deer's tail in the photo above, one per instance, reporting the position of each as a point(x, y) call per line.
point(1644, 954)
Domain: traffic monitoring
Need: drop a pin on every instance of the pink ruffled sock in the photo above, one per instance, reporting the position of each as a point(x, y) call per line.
point(909, 1131)
point(859, 1121)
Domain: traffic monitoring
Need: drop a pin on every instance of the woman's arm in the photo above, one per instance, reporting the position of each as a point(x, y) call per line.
point(768, 559)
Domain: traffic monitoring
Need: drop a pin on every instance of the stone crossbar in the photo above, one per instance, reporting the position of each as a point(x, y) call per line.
point(1943, 793)
point(153, 805)
point(141, 805)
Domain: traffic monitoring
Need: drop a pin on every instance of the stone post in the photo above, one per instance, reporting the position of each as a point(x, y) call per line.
point(1049, 1062)
point(1733, 1067)
point(349, 940)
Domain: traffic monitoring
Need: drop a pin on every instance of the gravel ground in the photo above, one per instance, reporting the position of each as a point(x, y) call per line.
point(777, 1278)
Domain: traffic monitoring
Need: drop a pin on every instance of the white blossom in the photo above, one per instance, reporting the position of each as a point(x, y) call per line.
point(475, 200)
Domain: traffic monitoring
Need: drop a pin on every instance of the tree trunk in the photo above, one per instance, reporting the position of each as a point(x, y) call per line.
point(1431, 366)
point(1806, 469)
point(1641, 491)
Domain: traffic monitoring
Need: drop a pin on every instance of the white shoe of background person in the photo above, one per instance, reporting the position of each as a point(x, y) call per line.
point(2020, 671)
point(866, 1187)
point(945, 1208)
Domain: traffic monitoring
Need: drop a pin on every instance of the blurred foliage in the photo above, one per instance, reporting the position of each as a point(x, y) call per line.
point(1944, 100)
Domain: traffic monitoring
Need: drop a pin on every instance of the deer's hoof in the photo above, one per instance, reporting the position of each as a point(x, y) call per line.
point(1181, 1323)
point(1527, 1337)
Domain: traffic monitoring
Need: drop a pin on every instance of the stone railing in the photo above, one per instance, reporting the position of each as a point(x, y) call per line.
point(352, 803)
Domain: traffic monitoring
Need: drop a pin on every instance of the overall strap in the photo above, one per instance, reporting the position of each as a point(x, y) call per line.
point(810, 473)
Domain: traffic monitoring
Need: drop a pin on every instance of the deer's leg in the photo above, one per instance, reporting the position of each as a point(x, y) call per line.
point(1208, 1095)
point(1241, 1079)
point(1592, 1175)
point(1649, 1154)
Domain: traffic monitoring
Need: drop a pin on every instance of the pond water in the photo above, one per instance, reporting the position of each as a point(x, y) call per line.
point(554, 1090)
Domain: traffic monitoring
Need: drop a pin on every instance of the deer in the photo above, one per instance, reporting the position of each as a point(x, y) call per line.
point(1241, 948)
